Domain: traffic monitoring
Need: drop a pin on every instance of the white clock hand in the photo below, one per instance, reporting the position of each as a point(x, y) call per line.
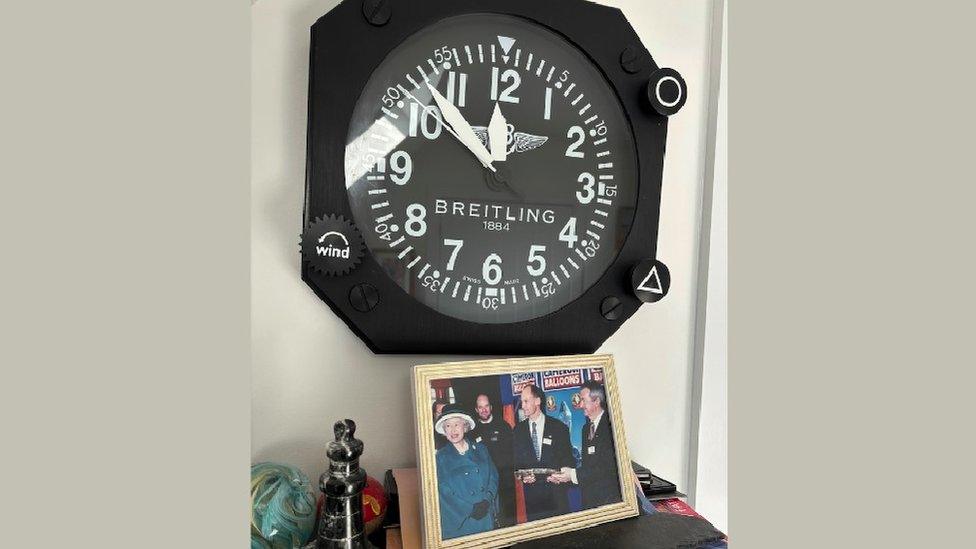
point(498, 135)
point(464, 132)
point(437, 117)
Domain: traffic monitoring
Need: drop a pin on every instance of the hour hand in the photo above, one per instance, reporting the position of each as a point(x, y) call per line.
point(498, 135)
point(462, 129)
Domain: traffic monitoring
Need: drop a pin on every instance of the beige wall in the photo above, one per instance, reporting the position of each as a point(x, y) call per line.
point(309, 369)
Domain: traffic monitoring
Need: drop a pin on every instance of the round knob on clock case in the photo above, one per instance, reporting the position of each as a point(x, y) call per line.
point(650, 280)
point(632, 61)
point(611, 308)
point(666, 91)
point(364, 297)
point(377, 12)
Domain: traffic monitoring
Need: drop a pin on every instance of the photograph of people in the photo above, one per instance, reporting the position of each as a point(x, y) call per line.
point(542, 441)
point(467, 481)
point(494, 432)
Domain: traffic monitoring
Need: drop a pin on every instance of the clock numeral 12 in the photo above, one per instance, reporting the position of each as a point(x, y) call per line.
point(510, 75)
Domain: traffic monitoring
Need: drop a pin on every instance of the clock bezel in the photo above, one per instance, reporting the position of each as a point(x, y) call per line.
point(345, 49)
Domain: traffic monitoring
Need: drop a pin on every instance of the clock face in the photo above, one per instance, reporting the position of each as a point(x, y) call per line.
point(491, 230)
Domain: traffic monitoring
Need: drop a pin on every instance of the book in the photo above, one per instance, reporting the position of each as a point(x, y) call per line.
point(653, 486)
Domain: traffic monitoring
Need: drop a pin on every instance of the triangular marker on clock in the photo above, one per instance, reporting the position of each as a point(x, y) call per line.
point(506, 44)
point(657, 280)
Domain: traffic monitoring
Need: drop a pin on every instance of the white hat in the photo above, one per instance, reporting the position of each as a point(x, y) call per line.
point(452, 411)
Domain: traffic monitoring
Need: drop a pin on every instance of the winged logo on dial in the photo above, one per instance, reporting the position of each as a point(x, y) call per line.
point(517, 141)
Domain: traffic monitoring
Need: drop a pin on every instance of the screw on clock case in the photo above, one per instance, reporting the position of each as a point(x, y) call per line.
point(346, 45)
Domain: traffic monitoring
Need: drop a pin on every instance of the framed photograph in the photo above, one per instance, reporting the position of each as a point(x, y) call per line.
point(511, 450)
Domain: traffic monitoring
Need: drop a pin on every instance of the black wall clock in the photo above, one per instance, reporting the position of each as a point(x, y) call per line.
point(484, 176)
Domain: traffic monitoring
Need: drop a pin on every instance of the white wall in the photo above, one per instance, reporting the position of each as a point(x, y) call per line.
point(711, 461)
point(309, 369)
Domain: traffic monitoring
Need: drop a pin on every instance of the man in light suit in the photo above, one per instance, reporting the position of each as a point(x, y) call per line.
point(542, 441)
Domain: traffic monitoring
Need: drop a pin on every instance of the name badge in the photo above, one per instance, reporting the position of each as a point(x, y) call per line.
point(591, 449)
point(547, 441)
point(477, 439)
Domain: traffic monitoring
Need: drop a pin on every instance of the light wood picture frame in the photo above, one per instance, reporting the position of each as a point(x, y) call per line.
point(563, 403)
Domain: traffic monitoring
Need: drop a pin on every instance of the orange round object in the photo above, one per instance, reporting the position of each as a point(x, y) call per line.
point(375, 504)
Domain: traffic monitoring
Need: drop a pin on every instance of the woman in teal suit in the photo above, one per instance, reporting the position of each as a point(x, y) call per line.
point(467, 481)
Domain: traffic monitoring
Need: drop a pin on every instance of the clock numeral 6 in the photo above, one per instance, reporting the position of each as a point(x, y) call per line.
point(491, 269)
point(415, 225)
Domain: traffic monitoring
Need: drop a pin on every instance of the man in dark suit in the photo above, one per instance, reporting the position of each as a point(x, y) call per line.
point(597, 476)
point(542, 441)
point(496, 435)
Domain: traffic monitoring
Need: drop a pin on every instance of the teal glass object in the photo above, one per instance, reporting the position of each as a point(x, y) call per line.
point(282, 507)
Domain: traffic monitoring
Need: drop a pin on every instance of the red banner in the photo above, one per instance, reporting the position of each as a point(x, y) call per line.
point(519, 381)
point(561, 379)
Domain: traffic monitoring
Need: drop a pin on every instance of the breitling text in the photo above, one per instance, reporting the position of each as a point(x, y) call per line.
point(493, 211)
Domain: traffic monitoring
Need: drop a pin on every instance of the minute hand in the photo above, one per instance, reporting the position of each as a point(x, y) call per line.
point(462, 129)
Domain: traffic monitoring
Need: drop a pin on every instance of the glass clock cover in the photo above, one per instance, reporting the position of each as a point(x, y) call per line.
point(486, 231)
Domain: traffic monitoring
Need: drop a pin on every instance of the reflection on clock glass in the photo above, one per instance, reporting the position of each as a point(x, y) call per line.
point(491, 169)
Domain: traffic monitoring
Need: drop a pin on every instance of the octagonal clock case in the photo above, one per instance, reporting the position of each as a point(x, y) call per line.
point(484, 176)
